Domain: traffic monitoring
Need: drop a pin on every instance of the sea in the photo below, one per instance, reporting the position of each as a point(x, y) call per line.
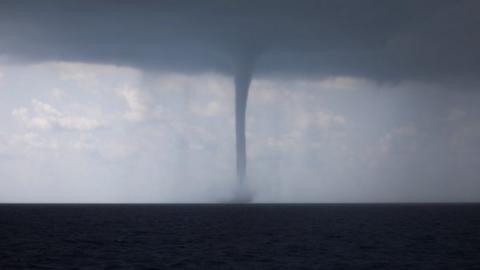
point(240, 236)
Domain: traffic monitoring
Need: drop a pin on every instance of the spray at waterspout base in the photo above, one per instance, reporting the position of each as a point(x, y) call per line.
point(242, 194)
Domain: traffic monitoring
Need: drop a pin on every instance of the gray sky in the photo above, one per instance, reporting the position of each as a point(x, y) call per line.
point(352, 101)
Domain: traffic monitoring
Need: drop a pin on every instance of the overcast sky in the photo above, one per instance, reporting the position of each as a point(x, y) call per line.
point(351, 101)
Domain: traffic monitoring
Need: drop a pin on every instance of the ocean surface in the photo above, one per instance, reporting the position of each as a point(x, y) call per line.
point(216, 236)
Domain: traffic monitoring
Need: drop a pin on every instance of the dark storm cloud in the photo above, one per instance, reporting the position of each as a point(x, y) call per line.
point(381, 40)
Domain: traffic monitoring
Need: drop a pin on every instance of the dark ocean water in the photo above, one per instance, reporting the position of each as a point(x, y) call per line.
point(240, 236)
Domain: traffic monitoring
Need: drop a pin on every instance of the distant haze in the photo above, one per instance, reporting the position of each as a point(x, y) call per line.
point(349, 101)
